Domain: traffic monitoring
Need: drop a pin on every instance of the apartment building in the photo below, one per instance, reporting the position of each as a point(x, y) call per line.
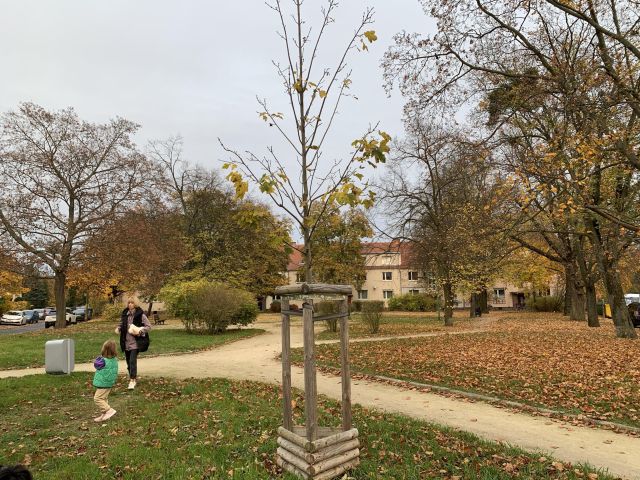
point(389, 272)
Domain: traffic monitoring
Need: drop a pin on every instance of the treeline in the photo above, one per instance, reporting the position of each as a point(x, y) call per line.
point(522, 126)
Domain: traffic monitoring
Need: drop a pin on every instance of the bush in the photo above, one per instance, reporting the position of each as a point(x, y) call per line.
point(413, 303)
point(276, 306)
point(327, 307)
point(372, 313)
point(208, 307)
point(546, 304)
point(356, 306)
point(112, 312)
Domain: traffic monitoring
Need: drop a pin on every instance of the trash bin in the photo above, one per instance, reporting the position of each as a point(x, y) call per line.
point(59, 356)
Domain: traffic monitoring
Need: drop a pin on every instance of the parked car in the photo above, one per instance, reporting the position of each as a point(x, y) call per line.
point(31, 316)
point(50, 319)
point(41, 313)
point(81, 313)
point(13, 317)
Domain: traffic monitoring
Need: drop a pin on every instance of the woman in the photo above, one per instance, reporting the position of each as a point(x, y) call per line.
point(134, 327)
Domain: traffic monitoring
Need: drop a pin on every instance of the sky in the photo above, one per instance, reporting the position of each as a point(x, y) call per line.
point(192, 67)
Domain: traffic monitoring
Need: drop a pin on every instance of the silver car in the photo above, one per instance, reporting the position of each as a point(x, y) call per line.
point(14, 317)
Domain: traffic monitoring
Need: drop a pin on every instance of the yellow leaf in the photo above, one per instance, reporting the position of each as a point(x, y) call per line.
point(371, 35)
point(322, 93)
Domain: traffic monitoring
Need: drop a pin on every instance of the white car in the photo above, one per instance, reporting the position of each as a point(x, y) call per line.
point(13, 317)
point(50, 318)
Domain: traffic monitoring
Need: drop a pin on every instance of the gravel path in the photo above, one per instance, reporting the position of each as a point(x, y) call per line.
point(255, 359)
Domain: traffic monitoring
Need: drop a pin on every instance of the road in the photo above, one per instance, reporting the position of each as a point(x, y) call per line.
point(13, 329)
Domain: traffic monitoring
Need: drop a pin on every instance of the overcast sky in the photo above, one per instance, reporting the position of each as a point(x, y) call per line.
point(189, 67)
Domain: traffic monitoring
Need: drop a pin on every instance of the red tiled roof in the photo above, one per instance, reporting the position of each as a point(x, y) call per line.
point(368, 248)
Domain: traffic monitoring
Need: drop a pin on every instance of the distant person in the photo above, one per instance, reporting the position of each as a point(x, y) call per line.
point(134, 338)
point(104, 379)
point(17, 472)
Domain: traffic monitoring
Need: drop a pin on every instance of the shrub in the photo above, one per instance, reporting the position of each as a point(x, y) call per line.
point(546, 304)
point(112, 312)
point(327, 307)
point(208, 307)
point(413, 303)
point(356, 306)
point(371, 314)
point(276, 306)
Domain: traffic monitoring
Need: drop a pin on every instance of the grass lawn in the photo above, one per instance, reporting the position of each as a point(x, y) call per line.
point(400, 323)
point(538, 359)
point(216, 429)
point(27, 349)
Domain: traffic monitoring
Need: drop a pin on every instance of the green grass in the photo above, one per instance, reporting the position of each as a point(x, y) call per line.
point(27, 349)
point(217, 429)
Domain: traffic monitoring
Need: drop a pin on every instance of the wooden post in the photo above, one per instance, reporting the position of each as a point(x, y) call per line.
point(310, 384)
point(346, 373)
point(286, 366)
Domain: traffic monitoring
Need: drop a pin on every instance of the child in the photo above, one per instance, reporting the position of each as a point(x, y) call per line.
point(105, 377)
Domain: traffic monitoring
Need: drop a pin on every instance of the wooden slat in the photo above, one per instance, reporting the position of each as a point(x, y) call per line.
point(310, 385)
point(331, 451)
point(297, 439)
point(310, 288)
point(293, 313)
point(282, 463)
point(287, 415)
point(333, 462)
point(297, 450)
point(346, 369)
point(331, 316)
point(334, 472)
point(339, 437)
point(299, 463)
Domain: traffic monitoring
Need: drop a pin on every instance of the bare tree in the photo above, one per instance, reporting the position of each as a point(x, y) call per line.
point(61, 179)
point(314, 94)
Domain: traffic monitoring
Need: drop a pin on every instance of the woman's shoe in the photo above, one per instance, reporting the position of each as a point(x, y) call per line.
point(132, 384)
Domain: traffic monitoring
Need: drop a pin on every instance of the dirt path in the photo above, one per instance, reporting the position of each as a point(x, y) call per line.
point(255, 359)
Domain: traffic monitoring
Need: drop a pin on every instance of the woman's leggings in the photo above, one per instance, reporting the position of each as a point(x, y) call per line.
point(132, 362)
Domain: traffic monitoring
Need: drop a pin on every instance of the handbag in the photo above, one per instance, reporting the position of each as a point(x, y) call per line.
point(143, 342)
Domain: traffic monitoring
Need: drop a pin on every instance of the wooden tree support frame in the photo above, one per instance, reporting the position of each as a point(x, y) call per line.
point(311, 452)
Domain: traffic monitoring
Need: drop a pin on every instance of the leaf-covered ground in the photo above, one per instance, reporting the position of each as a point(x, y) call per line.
point(538, 359)
point(216, 429)
point(403, 323)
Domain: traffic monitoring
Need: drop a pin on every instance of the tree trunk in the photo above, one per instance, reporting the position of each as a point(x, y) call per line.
point(484, 301)
point(448, 304)
point(59, 284)
point(568, 292)
point(619, 310)
point(150, 307)
point(576, 291)
point(474, 308)
point(592, 305)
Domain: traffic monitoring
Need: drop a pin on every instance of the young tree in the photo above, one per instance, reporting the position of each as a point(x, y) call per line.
point(61, 180)
point(314, 93)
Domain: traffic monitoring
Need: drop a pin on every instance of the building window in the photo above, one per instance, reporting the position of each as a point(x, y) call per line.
point(299, 277)
point(413, 275)
point(414, 291)
point(363, 294)
point(498, 295)
point(387, 275)
point(386, 260)
point(387, 294)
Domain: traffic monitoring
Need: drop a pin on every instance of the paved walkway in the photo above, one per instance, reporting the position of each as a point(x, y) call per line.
point(255, 359)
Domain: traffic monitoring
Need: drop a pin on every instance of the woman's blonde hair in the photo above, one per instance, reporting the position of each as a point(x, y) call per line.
point(108, 349)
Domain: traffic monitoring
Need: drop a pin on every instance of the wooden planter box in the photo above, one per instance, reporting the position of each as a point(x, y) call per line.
point(312, 452)
point(333, 453)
